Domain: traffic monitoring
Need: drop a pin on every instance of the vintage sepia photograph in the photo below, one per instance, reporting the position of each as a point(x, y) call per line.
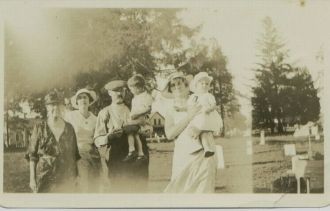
point(216, 99)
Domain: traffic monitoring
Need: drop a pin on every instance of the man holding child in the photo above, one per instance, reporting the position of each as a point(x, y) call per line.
point(112, 143)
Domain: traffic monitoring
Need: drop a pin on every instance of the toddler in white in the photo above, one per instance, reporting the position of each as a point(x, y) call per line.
point(141, 106)
point(209, 120)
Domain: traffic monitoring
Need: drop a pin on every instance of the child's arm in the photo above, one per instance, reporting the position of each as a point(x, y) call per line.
point(140, 113)
point(211, 104)
point(210, 109)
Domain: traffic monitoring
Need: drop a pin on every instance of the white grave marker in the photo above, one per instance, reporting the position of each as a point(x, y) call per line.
point(220, 157)
point(262, 137)
point(249, 150)
point(289, 149)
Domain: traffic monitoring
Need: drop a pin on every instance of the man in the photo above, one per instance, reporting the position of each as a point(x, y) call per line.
point(113, 145)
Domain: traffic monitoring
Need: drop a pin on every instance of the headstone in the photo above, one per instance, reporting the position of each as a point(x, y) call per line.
point(249, 147)
point(289, 149)
point(219, 157)
point(317, 137)
point(315, 130)
point(262, 137)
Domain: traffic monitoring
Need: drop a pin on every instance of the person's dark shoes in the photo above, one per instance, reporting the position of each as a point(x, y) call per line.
point(130, 157)
point(141, 158)
point(208, 154)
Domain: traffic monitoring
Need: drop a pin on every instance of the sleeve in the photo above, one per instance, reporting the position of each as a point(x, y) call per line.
point(101, 130)
point(191, 99)
point(32, 151)
point(74, 147)
point(149, 100)
point(77, 154)
point(141, 103)
point(127, 115)
point(211, 99)
point(168, 121)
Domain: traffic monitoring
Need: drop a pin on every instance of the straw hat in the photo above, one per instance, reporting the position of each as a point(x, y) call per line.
point(90, 93)
point(178, 74)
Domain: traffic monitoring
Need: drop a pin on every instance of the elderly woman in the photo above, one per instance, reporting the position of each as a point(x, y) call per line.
point(191, 171)
point(83, 122)
point(112, 143)
point(53, 151)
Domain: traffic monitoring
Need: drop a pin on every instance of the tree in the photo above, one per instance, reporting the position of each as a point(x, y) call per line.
point(102, 45)
point(283, 93)
point(208, 57)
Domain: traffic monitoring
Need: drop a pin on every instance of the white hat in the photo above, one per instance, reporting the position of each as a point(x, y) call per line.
point(91, 93)
point(198, 77)
point(174, 75)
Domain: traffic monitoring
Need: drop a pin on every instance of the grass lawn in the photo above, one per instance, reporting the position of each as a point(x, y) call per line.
point(269, 161)
point(244, 172)
point(229, 180)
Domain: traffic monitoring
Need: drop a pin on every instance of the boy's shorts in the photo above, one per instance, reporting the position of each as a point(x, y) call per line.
point(131, 128)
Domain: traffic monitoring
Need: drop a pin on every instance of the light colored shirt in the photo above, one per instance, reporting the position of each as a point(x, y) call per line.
point(83, 127)
point(109, 119)
point(141, 103)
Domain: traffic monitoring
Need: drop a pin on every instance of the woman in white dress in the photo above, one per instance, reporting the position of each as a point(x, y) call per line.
point(192, 172)
point(84, 122)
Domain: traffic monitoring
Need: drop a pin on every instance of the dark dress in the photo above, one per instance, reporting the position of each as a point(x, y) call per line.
point(56, 169)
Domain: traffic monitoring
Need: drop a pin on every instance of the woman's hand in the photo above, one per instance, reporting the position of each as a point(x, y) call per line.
point(194, 132)
point(194, 109)
point(33, 185)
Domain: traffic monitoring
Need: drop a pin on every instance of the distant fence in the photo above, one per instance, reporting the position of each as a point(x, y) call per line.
point(16, 139)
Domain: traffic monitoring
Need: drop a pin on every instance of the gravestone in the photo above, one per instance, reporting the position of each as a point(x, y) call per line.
point(289, 150)
point(262, 137)
point(220, 157)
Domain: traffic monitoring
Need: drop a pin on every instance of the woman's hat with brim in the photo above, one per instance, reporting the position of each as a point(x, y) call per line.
point(198, 77)
point(52, 98)
point(113, 85)
point(172, 76)
point(90, 93)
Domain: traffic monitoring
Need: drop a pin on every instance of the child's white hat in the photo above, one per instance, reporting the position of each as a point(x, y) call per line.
point(198, 77)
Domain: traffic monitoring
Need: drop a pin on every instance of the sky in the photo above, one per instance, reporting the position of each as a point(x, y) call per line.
point(236, 25)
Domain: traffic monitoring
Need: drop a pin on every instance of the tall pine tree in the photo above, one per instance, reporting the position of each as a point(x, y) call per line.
point(283, 94)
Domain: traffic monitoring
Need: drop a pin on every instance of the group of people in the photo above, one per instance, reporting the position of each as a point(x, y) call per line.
point(79, 152)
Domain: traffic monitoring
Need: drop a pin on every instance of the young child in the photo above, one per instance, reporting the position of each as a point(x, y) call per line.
point(209, 120)
point(141, 106)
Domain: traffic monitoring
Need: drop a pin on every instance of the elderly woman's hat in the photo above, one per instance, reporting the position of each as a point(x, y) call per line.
point(92, 95)
point(52, 98)
point(113, 85)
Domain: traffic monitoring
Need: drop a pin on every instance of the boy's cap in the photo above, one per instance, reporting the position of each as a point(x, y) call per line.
point(113, 85)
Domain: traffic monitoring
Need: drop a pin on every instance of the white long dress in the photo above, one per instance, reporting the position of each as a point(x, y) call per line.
point(89, 166)
point(191, 171)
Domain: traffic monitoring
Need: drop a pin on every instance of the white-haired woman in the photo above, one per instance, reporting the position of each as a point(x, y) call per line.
point(192, 172)
point(84, 122)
